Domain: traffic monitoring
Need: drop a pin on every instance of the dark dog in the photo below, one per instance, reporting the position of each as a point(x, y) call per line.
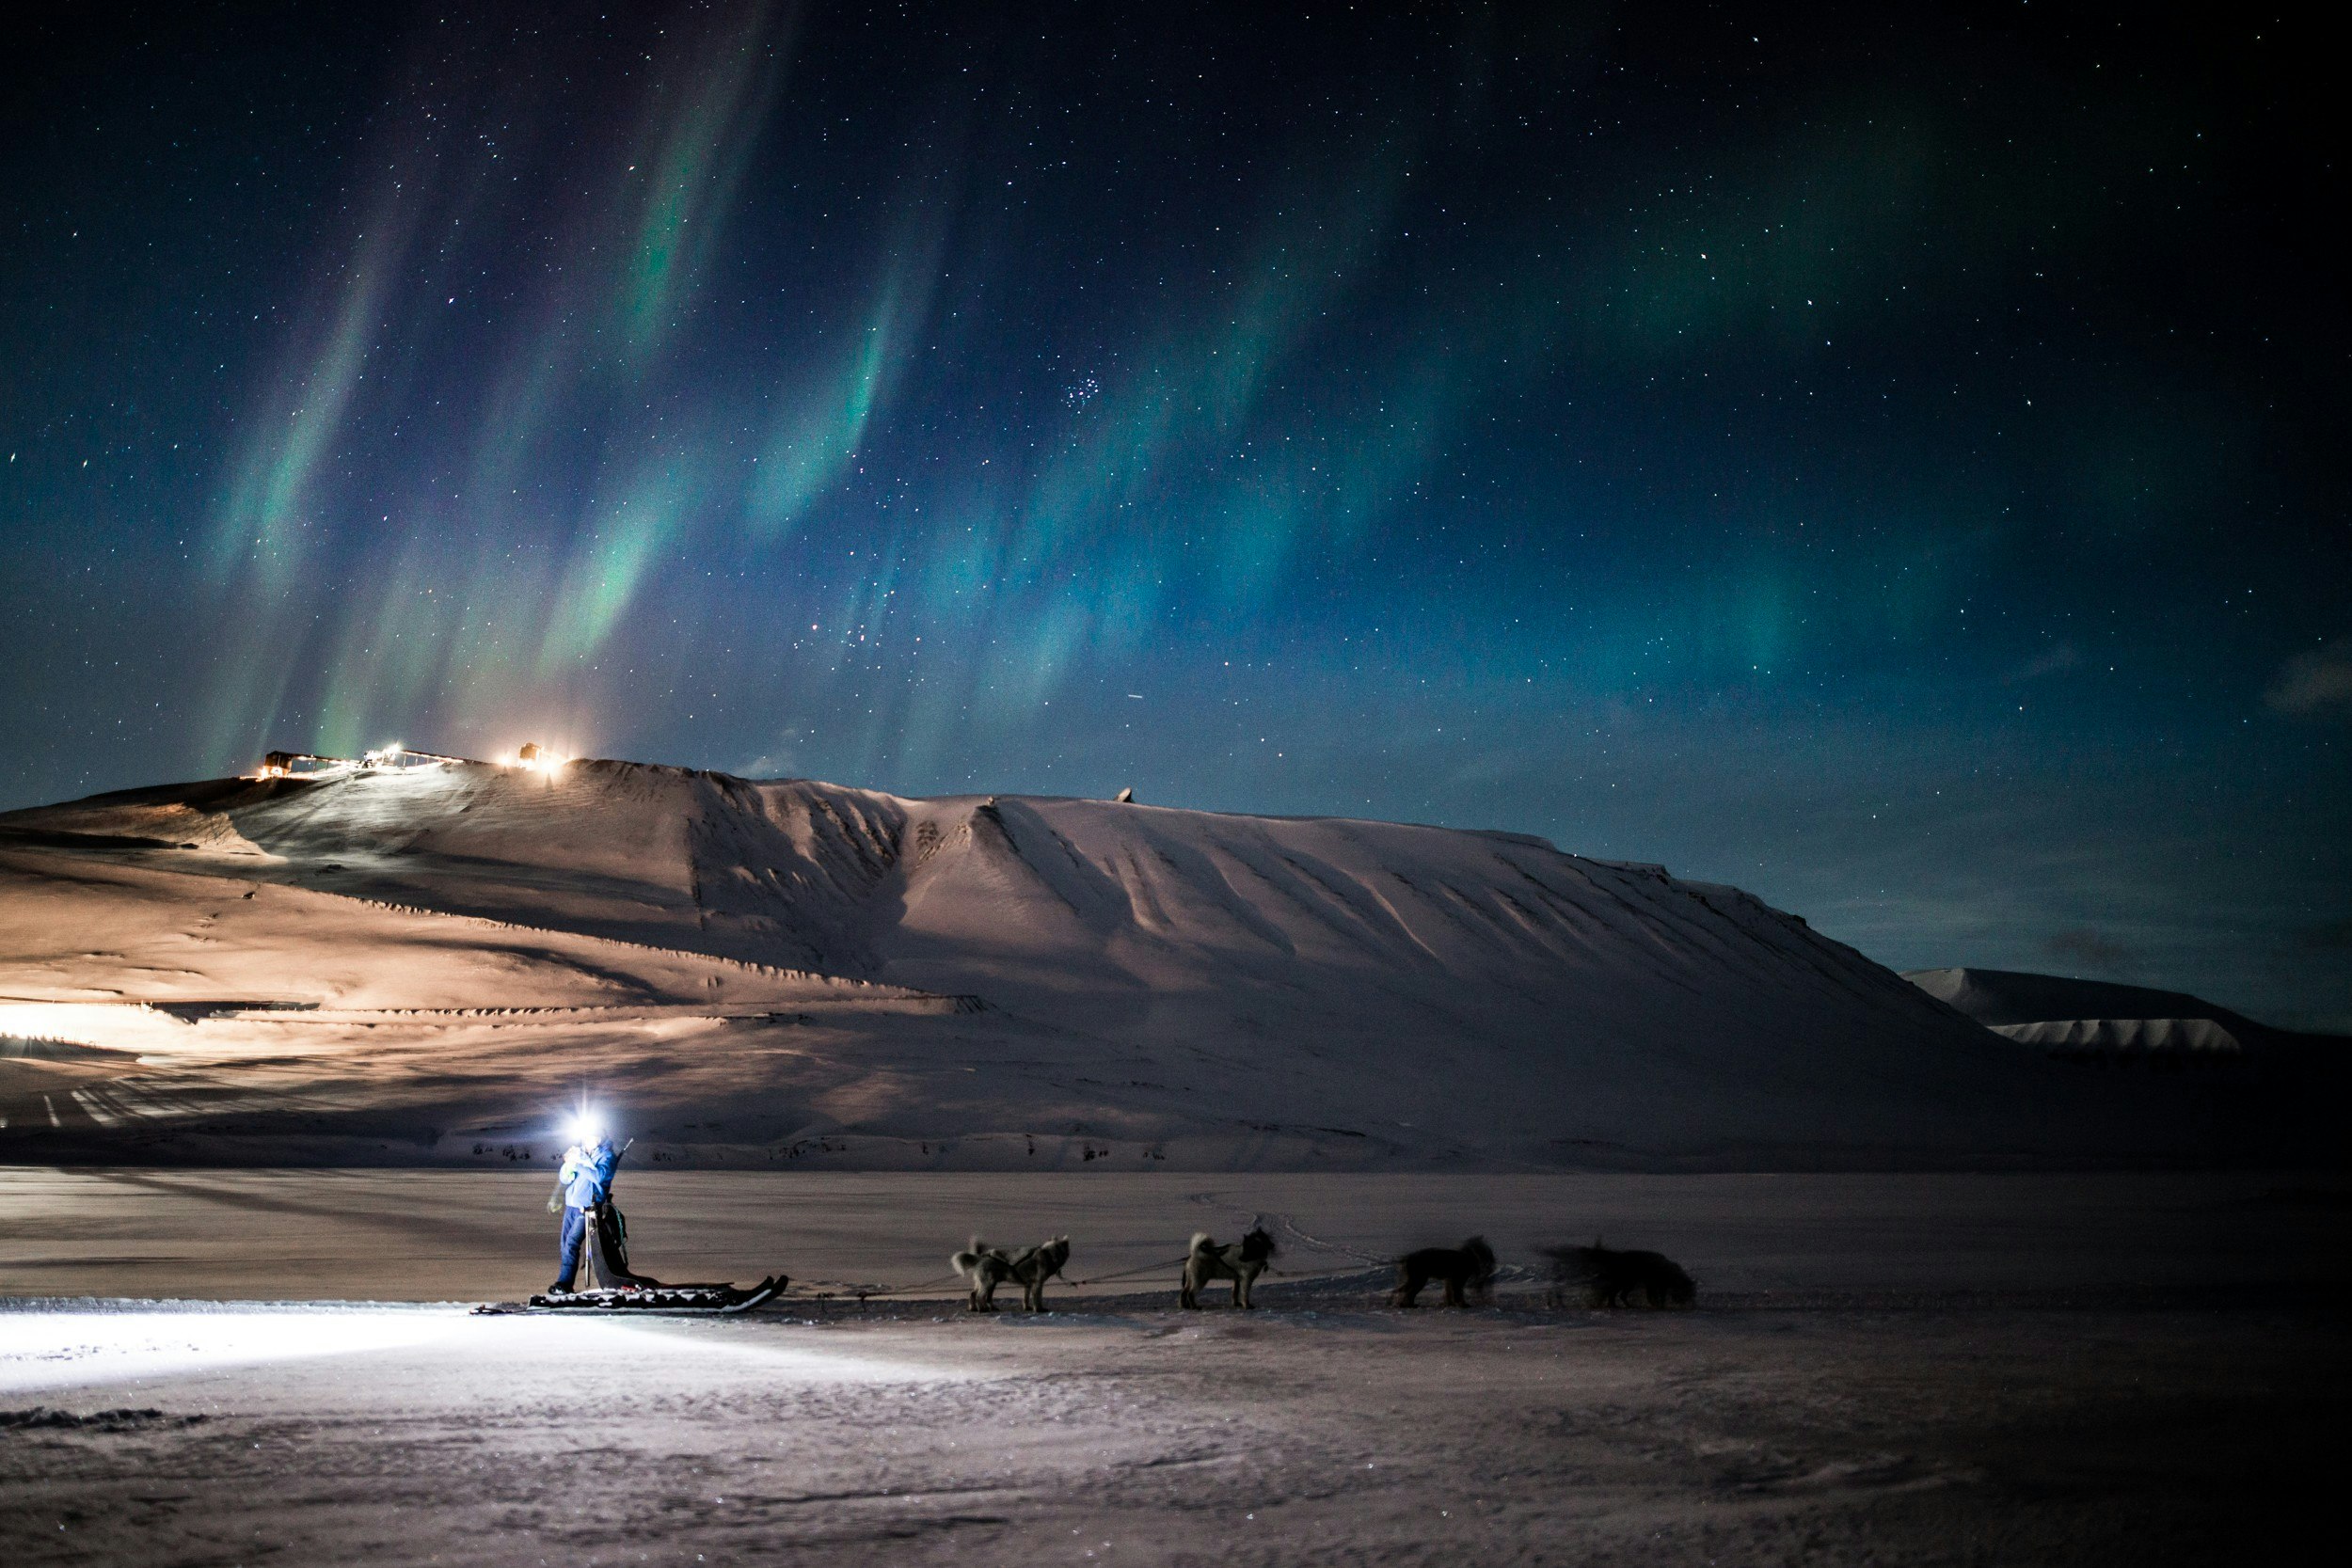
point(1240, 1261)
point(1469, 1267)
point(987, 1267)
point(1613, 1278)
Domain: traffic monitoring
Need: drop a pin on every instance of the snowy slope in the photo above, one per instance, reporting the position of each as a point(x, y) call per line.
point(1150, 985)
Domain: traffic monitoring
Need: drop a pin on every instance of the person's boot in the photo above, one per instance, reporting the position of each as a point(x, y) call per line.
point(561, 1288)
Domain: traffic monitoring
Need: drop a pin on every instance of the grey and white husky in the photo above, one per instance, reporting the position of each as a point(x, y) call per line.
point(986, 1267)
point(1240, 1261)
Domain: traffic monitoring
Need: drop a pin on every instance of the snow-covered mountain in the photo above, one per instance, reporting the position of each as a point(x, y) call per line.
point(424, 964)
point(2106, 1023)
point(2006, 998)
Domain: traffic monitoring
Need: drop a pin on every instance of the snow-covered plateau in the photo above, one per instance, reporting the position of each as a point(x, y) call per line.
point(427, 966)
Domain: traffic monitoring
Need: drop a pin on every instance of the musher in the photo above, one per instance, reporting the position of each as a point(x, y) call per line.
point(584, 1181)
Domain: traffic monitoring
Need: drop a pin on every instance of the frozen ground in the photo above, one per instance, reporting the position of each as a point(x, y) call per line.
point(421, 1236)
point(1932, 1369)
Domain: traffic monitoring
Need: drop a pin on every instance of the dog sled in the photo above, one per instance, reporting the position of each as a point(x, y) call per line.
point(719, 1301)
point(620, 1289)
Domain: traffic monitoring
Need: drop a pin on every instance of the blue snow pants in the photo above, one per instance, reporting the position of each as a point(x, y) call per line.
point(574, 1232)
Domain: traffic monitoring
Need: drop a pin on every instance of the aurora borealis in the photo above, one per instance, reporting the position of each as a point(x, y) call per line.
point(1890, 461)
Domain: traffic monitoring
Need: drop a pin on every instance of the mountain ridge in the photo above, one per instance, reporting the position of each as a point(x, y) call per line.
point(1180, 982)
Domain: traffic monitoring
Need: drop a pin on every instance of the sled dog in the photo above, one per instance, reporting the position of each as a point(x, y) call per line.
point(1613, 1278)
point(987, 1267)
point(1466, 1268)
point(1240, 1261)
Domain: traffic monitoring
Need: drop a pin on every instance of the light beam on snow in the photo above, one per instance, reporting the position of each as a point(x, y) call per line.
point(110, 1344)
point(62, 1350)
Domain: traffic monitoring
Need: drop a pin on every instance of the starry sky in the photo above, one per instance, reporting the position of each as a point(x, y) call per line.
point(1890, 458)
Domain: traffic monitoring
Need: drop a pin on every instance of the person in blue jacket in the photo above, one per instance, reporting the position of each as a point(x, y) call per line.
point(584, 1181)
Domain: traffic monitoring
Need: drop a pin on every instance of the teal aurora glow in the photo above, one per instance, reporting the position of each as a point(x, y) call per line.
point(1888, 460)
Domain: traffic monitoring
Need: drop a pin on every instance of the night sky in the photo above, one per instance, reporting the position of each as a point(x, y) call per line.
point(1892, 458)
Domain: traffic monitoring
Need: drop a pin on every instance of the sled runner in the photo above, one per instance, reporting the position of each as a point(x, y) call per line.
point(652, 1296)
point(675, 1301)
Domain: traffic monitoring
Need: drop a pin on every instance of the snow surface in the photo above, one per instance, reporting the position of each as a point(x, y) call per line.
point(2089, 1369)
point(423, 965)
point(2139, 1437)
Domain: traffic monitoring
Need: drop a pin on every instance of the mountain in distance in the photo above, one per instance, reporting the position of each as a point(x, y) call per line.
point(424, 965)
point(2004, 998)
point(2103, 1021)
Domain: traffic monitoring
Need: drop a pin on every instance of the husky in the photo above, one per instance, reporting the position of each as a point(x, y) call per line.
point(1240, 1261)
point(1614, 1278)
point(1467, 1268)
point(987, 1267)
